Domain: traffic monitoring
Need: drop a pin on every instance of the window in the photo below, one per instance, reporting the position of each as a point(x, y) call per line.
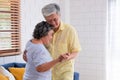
point(9, 27)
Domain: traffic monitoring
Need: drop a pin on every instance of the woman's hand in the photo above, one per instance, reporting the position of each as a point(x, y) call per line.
point(64, 57)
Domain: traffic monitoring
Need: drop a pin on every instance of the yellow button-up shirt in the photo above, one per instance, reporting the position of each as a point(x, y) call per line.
point(65, 40)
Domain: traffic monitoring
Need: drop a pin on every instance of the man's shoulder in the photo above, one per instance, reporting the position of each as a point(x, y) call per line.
point(68, 26)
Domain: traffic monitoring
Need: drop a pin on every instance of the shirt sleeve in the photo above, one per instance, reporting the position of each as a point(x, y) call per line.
point(39, 57)
point(74, 43)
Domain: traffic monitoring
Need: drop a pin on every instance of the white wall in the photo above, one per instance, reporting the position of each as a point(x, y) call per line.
point(88, 17)
point(113, 52)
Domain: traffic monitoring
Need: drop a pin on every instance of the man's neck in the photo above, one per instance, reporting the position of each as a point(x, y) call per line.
point(56, 29)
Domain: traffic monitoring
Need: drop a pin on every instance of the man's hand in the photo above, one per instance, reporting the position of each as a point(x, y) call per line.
point(68, 56)
point(24, 55)
point(64, 57)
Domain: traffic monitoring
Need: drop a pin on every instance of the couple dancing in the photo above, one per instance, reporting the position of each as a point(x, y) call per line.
point(55, 44)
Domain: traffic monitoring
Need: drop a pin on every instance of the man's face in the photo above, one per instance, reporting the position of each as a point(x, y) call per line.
point(54, 20)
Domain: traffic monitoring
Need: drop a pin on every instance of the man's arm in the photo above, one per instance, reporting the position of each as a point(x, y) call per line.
point(69, 56)
point(24, 55)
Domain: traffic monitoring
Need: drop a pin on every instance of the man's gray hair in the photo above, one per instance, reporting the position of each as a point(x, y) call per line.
point(50, 9)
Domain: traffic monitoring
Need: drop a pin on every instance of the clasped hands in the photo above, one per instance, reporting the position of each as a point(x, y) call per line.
point(64, 57)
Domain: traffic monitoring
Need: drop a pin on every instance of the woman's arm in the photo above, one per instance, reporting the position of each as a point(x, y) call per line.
point(46, 66)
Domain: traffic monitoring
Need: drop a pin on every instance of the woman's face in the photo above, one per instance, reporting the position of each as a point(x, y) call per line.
point(47, 39)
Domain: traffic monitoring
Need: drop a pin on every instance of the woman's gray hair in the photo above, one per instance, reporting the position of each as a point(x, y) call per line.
point(42, 29)
point(50, 9)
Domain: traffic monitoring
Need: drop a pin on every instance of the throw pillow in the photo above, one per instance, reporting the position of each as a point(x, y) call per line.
point(17, 72)
point(3, 77)
point(6, 73)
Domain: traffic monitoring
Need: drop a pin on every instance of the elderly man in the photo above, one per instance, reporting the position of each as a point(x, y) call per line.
point(65, 40)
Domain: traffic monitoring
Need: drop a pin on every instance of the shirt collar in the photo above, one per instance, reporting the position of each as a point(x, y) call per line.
point(61, 26)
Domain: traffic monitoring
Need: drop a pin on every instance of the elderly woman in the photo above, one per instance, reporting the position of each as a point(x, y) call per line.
point(39, 60)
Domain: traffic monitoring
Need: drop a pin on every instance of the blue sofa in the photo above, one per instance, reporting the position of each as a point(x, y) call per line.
point(20, 65)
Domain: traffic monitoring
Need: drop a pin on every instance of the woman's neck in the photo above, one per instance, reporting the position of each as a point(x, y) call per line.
point(37, 41)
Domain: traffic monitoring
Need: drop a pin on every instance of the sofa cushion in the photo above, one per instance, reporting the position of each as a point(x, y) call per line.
point(14, 64)
point(6, 66)
point(19, 65)
point(17, 72)
point(3, 77)
point(6, 73)
point(76, 76)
